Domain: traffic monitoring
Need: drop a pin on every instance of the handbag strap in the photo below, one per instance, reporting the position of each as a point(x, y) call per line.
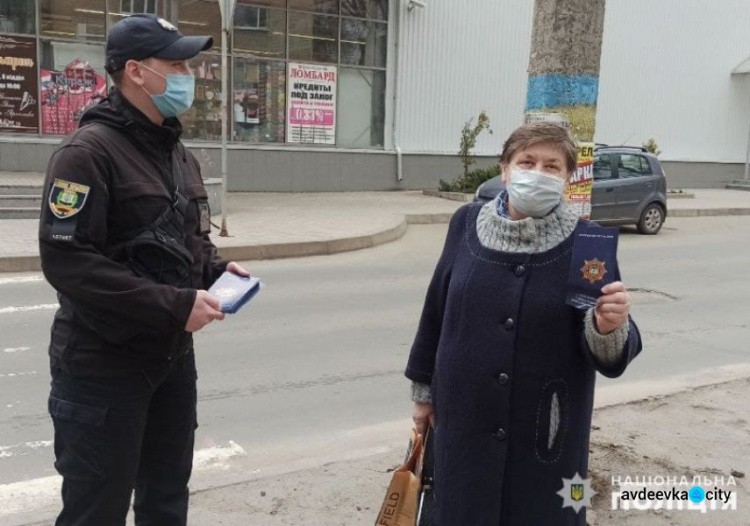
point(428, 458)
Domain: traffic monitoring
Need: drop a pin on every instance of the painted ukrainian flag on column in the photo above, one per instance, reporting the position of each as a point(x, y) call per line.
point(564, 64)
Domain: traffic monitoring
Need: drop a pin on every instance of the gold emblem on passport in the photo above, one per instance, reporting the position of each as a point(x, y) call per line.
point(593, 270)
point(67, 199)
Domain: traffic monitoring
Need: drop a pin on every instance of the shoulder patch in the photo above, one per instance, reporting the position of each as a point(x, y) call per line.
point(67, 199)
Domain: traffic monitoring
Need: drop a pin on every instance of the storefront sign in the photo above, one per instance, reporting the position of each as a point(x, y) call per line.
point(67, 94)
point(19, 112)
point(311, 117)
point(582, 181)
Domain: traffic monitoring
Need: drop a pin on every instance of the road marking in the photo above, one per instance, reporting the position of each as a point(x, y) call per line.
point(45, 306)
point(16, 349)
point(34, 494)
point(13, 451)
point(16, 375)
point(25, 279)
point(217, 457)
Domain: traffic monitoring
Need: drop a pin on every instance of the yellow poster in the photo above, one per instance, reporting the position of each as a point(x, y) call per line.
point(578, 192)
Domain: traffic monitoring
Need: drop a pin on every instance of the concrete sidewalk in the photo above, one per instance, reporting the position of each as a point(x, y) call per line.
point(268, 226)
point(691, 424)
point(660, 435)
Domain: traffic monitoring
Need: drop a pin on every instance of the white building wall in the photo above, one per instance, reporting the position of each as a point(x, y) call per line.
point(457, 58)
point(665, 74)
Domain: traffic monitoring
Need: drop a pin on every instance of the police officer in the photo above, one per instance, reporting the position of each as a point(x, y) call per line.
point(124, 240)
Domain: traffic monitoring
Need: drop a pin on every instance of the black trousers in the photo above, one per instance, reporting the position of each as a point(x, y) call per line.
point(114, 435)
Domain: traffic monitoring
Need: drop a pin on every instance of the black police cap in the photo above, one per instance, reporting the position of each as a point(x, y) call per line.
point(143, 36)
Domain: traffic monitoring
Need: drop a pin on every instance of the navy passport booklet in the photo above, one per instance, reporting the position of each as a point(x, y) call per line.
point(593, 265)
point(234, 291)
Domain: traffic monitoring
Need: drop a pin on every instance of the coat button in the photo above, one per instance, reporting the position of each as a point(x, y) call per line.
point(509, 324)
point(502, 379)
point(520, 270)
point(500, 434)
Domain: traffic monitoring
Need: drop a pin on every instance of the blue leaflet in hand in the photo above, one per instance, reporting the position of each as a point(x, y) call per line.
point(234, 291)
point(594, 264)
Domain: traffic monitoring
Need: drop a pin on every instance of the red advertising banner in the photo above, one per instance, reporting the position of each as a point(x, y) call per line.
point(19, 112)
point(67, 94)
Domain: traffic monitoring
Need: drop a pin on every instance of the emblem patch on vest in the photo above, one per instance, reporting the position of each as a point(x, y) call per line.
point(67, 199)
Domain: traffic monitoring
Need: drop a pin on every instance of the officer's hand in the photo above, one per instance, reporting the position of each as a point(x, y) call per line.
point(235, 268)
point(613, 307)
point(205, 310)
point(423, 415)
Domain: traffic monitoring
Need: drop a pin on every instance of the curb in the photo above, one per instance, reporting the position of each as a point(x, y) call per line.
point(349, 244)
point(707, 212)
point(20, 264)
point(281, 250)
point(641, 390)
point(451, 196)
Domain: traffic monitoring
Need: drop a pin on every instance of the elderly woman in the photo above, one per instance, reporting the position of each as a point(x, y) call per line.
point(501, 367)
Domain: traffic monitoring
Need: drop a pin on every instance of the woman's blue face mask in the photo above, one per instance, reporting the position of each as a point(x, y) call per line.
point(178, 97)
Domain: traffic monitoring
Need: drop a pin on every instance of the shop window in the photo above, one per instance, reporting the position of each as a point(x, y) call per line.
point(372, 9)
point(203, 121)
point(329, 7)
point(19, 108)
point(363, 43)
point(200, 17)
point(119, 9)
point(132, 7)
point(260, 32)
point(73, 79)
point(73, 19)
point(360, 114)
point(259, 101)
point(249, 17)
point(313, 37)
point(18, 16)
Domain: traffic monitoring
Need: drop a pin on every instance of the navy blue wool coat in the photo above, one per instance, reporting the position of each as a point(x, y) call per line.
point(502, 352)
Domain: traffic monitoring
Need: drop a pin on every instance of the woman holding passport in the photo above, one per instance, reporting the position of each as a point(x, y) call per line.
point(502, 367)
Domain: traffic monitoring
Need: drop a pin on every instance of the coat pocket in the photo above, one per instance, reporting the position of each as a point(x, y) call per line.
point(551, 421)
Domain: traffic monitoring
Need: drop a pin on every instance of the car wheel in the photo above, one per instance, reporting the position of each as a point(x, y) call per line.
point(652, 220)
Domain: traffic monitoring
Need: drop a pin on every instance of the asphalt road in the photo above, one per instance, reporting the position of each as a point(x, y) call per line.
point(313, 367)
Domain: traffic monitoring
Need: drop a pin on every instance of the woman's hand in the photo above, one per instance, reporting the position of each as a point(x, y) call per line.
point(423, 415)
point(613, 307)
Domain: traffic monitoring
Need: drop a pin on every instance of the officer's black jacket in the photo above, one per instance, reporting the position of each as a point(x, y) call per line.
point(110, 320)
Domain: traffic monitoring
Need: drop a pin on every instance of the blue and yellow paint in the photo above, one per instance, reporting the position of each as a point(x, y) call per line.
point(573, 95)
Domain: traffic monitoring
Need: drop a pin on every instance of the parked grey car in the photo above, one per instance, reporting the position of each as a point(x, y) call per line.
point(629, 188)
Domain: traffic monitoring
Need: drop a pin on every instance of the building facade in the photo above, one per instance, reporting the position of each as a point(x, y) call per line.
point(339, 95)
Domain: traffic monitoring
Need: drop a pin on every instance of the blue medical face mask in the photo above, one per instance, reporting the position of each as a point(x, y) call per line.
point(177, 98)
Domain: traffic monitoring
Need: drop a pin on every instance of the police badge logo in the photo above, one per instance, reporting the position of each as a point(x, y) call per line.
point(67, 199)
point(594, 270)
point(576, 493)
point(166, 25)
